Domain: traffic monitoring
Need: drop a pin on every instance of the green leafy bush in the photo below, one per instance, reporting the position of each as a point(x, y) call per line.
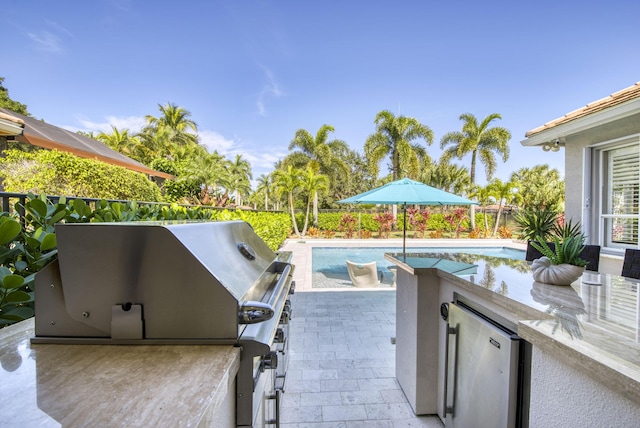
point(331, 221)
point(57, 173)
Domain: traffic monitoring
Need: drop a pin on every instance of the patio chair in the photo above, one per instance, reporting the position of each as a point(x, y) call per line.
point(591, 253)
point(533, 253)
point(631, 264)
point(364, 274)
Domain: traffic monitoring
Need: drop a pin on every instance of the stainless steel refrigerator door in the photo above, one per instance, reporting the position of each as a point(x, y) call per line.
point(482, 372)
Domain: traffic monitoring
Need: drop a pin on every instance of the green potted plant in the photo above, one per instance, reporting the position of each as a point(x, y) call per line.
point(561, 265)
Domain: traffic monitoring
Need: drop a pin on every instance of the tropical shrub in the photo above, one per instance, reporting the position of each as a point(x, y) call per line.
point(58, 173)
point(535, 224)
point(437, 222)
point(331, 221)
point(505, 232)
point(436, 234)
point(348, 225)
point(454, 218)
point(385, 222)
point(418, 220)
point(313, 232)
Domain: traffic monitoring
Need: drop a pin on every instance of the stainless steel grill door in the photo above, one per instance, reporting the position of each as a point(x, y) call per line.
point(482, 372)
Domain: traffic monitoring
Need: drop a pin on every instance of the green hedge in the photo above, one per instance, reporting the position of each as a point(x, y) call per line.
point(331, 221)
point(58, 173)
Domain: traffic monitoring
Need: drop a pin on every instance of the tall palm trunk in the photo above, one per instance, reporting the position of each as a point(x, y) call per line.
point(472, 175)
point(293, 215)
point(495, 227)
point(306, 216)
point(315, 209)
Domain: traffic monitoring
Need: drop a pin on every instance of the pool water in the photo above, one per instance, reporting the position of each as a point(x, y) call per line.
point(329, 269)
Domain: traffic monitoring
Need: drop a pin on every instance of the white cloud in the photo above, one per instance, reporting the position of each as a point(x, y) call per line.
point(229, 148)
point(213, 140)
point(270, 89)
point(47, 41)
point(132, 123)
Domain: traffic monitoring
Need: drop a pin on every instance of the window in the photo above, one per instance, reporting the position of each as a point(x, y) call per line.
point(620, 170)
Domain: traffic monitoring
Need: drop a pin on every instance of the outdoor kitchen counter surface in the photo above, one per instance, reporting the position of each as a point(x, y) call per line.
point(595, 327)
point(108, 385)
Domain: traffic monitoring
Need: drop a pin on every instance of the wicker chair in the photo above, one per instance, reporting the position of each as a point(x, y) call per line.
point(631, 264)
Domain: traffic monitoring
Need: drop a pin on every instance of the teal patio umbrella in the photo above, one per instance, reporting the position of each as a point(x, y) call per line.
point(406, 191)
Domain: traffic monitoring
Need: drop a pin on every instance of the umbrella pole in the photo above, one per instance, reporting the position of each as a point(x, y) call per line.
point(404, 229)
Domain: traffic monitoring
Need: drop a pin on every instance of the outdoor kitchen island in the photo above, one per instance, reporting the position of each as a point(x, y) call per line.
point(52, 385)
point(584, 351)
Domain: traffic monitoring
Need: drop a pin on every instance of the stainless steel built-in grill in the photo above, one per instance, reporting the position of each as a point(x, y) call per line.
point(174, 283)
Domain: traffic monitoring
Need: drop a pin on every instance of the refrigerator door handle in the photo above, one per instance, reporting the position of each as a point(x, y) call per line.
point(450, 370)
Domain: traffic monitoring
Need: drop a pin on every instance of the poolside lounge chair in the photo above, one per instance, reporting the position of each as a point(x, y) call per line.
point(363, 274)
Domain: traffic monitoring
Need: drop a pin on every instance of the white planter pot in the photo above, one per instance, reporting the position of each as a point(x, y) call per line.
point(563, 274)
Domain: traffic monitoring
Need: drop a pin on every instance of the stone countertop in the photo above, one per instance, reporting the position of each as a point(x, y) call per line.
point(594, 324)
point(110, 385)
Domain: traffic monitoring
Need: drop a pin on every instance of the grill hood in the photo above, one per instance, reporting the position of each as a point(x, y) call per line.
point(167, 280)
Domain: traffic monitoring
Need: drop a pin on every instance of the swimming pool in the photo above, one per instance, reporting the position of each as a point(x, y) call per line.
point(329, 269)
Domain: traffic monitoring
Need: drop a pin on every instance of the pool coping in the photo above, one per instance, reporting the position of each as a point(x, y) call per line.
point(302, 253)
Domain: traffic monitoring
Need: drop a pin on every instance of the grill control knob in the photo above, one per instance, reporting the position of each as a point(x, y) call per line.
point(284, 318)
point(279, 337)
point(270, 361)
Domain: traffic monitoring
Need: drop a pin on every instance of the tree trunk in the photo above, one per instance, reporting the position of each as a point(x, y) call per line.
point(266, 202)
point(486, 222)
point(293, 216)
point(472, 176)
point(495, 228)
point(306, 219)
point(315, 209)
point(472, 216)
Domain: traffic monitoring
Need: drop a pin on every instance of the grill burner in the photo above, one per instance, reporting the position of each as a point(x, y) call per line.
point(174, 283)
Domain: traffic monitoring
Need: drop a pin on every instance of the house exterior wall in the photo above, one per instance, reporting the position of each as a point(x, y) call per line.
point(575, 174)
point(573, 179)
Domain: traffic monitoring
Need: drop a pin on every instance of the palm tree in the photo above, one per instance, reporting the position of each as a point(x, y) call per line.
point(540, 187)
point(503, 193)
point(264, 184)
point(212, 173)
point(483, 196)
point(176, 119)
point(447, 176)
point(322, 155)
point(394, 137)
point(312, 183)
point(477, 139)
point(120, 141)
point(288, 181)
point(240, 178)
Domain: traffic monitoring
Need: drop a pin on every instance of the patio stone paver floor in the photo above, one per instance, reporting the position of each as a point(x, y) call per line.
point(342, 364)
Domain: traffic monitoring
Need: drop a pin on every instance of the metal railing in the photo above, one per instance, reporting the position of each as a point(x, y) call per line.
point(14, 203)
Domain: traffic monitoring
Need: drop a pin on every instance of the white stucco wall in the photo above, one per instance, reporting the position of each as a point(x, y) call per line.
point(574, 160)
point(564, 397)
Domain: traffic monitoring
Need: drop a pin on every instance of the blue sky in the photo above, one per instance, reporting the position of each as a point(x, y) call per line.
point(253, 72)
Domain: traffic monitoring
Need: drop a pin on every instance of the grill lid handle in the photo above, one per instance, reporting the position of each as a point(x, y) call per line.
point(252, 312)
